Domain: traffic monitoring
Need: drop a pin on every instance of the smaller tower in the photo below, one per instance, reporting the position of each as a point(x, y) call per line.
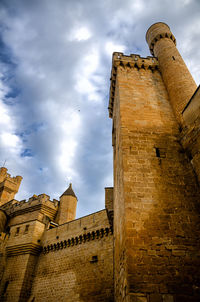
point(67, 207)
point(177, 78)
point(9, 186)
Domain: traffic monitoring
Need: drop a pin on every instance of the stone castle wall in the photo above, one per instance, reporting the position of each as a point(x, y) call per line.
point(70, 262)
point(155, 191)
point(78, 259)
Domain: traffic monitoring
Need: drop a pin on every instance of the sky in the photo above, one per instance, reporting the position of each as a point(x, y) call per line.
point(55, 65)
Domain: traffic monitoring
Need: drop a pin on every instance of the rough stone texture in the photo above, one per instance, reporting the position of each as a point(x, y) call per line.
point(69, 262)
point(67, 209)
point(190, 137)
point(109, 198)
point(19, 273)
point(176, 76)
point(81, 272)
point(3, 220)
point(156, 195)
point(8, 186)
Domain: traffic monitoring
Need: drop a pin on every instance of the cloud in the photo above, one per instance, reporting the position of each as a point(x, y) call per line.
point(54, 86)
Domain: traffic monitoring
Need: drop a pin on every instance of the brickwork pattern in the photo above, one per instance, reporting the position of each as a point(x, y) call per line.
point(156, 192)
point(8, 186)
point(176, 76)
point(190, 135)
point(80, 267)
point(71, 262)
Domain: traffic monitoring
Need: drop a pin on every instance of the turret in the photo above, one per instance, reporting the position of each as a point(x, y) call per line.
point(9, 186)
point(177, 78)
point(67, 207)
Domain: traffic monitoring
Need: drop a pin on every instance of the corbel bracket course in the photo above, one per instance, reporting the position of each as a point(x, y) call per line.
point(98, 234)
point(161, 36)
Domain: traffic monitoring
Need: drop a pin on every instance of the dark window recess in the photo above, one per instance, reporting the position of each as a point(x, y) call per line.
point(189, 155)
point(94, 259)
point(7, 230)
point(85, 228)
point(160, 152)
point(173, 58)
point(26, 228)
point(17, 231)
point(5, 287)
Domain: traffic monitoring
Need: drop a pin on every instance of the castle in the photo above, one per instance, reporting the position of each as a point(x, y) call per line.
point(145, 245)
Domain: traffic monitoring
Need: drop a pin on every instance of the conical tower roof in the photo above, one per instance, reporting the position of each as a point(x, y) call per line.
point(69, 191)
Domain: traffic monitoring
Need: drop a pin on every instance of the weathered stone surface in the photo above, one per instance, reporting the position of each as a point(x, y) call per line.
point(156, 195)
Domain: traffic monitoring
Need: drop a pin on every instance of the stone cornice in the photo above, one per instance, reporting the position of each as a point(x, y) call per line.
point(161, 36)
point(132, 61)
point(40, 203)
point(39, 207)
point(20, 249)
point(98, 234)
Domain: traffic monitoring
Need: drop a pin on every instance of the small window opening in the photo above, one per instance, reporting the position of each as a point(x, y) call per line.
point(85, 228)
point(17, 231)
point(173, 58)
point(94, 259)
point(5, 287)
point(189, 155)
point(26, 229)
point(160, 152)
point(157, 152)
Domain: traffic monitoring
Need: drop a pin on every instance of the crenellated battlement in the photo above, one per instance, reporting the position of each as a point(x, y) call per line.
point(36, 202)
point(161, 36)
point(80, 239)
point(132, 61)
point(6, 176)
point(9, 186)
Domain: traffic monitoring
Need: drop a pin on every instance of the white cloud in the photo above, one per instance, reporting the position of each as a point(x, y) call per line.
point(112, 47)
point(80, 34)
point(9, 140)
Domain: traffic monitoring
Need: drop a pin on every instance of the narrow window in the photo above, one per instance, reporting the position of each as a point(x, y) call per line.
point(26, 229)
point(17, 231)
point(157, 152)
point(173, 58)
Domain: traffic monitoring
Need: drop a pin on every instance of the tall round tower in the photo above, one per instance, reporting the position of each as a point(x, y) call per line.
point(177, 78)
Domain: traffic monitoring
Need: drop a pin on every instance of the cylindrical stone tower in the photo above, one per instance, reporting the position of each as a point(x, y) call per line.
point(177, 78)
point(67, 207)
